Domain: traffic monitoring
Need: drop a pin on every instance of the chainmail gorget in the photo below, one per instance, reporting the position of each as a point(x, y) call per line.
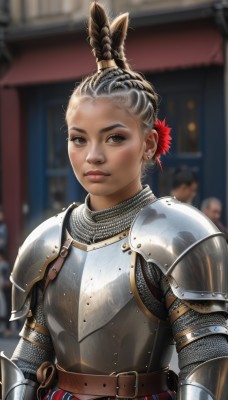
point(89, 226)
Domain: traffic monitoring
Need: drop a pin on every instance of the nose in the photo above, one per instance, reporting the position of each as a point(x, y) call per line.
point(95, 155)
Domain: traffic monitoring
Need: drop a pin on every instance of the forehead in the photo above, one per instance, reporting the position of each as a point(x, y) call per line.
point(215, 206)
point(192, 187)
point(102, 108)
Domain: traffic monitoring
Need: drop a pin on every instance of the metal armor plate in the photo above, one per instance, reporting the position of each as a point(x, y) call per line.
point(40, 248)
point(208, 381)
point(94, 319)
point(187, 247)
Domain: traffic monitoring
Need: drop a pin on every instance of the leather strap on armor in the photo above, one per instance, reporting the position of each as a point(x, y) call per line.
point(130, 384)
point(52, 274)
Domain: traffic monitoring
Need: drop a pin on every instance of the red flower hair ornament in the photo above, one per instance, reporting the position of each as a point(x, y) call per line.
point(164, 139)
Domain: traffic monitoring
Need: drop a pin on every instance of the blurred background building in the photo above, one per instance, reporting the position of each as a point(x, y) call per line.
point(181, 47)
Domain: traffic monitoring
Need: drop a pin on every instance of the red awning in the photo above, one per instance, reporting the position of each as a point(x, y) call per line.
point(147, 51)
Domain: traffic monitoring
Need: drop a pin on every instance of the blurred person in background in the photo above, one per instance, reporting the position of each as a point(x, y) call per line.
point(3, 304)
point(6, 289)
point(3, 232)
point(184, 185)
point(212, 208)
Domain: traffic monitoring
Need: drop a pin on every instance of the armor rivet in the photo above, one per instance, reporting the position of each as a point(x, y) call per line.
point(48, 257)
point(149, 254)
point(63, 209)
point(149, 352)
point(213, 294)
point(166, 265)
point(53, 251)
point(139, 245)
point(64, 294)
point(134, 238)
point(124, 246)
point(87, 304)
point(130, 292)
point(132, 266)
point(56, 247)
point(119, 269)
point(202, 294)
point(130, 252)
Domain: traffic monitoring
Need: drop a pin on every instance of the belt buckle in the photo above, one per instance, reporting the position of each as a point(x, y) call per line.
point(135, 373)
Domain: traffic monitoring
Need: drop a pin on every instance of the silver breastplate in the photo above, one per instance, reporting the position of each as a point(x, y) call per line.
point(97, 321)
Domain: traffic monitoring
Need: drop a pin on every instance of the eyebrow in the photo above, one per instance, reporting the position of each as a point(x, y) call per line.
point(103, 130)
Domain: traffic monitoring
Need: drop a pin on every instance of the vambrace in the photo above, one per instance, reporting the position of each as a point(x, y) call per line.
point(35, 345)
point(208, 381)
point(14, 384)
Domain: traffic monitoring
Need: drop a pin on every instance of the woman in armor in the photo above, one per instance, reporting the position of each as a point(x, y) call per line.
point(110, 286)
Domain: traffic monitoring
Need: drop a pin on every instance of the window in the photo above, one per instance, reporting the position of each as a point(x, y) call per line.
point(183, 114)
point(34, 9)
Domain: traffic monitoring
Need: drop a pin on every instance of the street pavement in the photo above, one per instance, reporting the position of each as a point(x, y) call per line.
point(7, 345)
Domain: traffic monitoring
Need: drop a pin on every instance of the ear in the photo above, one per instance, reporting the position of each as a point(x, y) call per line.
point(150, 140)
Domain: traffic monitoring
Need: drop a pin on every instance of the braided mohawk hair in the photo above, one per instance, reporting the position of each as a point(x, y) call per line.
point(115, 79)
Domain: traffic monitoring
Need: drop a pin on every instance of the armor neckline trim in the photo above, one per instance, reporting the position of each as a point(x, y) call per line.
point(98, 245)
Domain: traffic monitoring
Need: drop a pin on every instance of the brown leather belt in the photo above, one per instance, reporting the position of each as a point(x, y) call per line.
point(129, 384)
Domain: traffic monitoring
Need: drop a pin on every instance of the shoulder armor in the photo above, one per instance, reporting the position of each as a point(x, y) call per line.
point(40, 248)
point(186, 246)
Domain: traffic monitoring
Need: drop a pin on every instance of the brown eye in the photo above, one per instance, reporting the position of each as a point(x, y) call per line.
point(116, 138)
point(78, 140)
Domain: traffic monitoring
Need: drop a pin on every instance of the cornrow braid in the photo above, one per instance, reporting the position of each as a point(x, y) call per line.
point(129, 87)
point(99, 33)
point(118, 33)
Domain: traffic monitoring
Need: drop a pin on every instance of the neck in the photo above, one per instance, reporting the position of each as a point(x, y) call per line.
point(98, 203)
